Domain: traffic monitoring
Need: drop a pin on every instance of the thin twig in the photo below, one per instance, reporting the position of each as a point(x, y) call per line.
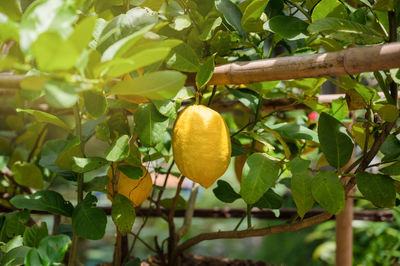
point(37, 141)
point(143, 242)
point(189, 212)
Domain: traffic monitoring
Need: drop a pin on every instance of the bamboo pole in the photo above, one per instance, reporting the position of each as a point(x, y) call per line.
point(346, 62)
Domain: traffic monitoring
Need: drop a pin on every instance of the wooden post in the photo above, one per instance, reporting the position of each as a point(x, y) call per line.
point(344, 235)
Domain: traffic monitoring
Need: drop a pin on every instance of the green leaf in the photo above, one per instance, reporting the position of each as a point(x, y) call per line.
point(247, 97)
point(44, 200)
point(389, 112)
point(167, 108)
point(391, 170)
point(346, 31)
point(259, 174)
point(328, 191)
point(82, 165)
point(224, 192)
point(251, 17)
point(33, 258)
point(294, 131)
point(336, 142)
point(16, 256)
point(9, 29)
point(130, 171)
point(88, 221)
point(150, 124)
point(390, 148)
point(41, 16)
point(329, 8)
point(49, 154)
point(119, 150)
point(120, 66)
point(298, 165)
point(34, 234)
point(291, 28)
point(359, 134)
point(379, 189)
point(205, 72)
point(157, 85)
point(11, 8)
point(35, 83)
point(52, 53)
point(385, 5)
point(340, 110)
point(270, 200)
point(208, 28)
point(27, 174)
point(181, 22)
point(301, 189)
point(61, 94)
point(180, 205)
point(232, 14)
point(183, 58)
point(52, 248)
point(45, 118)
point(133, 24)
point(82, 34)
point(96, 184)
point(95, 103)
point(103, 132)
point(65, 158)
point(123, 213)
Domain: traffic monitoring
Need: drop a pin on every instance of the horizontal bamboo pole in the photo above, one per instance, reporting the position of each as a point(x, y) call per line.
point(225, 213)
point(346, 62)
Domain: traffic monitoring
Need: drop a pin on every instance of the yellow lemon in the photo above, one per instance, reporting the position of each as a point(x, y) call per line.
point(201, 144)
point(136, 190)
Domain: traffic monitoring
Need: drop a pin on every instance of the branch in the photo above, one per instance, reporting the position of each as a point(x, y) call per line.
point(189, 212)
point(253, 232)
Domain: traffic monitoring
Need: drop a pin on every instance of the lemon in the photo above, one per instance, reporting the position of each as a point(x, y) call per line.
point(201, 144)
point(137, 190)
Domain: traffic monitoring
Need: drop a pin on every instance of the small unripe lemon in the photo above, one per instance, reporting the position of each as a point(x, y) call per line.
point(137, 190)
point(201, 144)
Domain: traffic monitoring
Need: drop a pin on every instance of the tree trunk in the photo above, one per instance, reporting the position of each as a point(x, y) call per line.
point(344, 235)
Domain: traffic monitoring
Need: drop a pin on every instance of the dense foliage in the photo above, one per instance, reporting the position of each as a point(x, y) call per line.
point(103, 84)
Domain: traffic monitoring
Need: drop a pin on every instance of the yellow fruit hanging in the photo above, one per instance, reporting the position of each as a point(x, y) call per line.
point(201, 144)
point(137, 190)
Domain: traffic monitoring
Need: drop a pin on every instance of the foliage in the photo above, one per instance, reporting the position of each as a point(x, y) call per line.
point(113, 76)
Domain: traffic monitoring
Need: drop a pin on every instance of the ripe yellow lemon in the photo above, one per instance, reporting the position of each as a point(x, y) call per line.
point(136, 190)
point(201, 144)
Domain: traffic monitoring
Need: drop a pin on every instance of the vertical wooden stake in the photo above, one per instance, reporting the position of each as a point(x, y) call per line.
point(344, 235)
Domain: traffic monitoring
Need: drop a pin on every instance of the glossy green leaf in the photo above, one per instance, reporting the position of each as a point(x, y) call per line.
point(28, 175)
point(232, 14)
point(259, 174)
point(61, 94)
point(131, 171)
point(301, 189)
point(291, 28)
point(345, 30)
point(167, 108)
point(336, 142)
point(251, 17)
point(168, 202)
point(15, 256)
point(181, 22)
point(44, 200)
point(82, 165)
point(295, 131)
point(328, 191)
point(156, 85)
point(88, 221)
point(9, 29)
point(11, 8)
point(33, 258)
point(33, 235)
point(150, 124)
point(269, 200)
point(329, 8)
point(390, 148)
point(209, 27)
point(103, 132)
point(247, 97)
point(389, 112)
point(340, 110)
point(123, 213)
point(298, 165)
point(52, 248)
point(224, 192)
point(119, 150)
point(379, 189)
point(391, 170)
point(65, 158)
point(82, 34)
point(183, 58)
point(53, 53)
point(205, 72)
point(95, 103)
point(45, 118)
